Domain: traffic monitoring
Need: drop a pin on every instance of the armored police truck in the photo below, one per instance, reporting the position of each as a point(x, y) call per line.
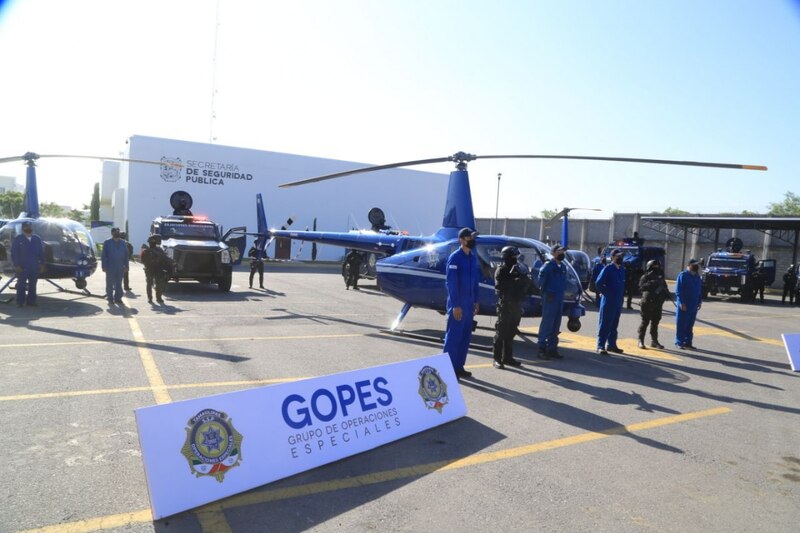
point(736, 272)
point(197, 247)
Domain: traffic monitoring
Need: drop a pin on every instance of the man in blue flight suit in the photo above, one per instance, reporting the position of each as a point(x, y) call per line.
point(611, 285)
point(463, 275)
point(27, 254)
point(689, 294)
point(552, 283)
point(115, 263)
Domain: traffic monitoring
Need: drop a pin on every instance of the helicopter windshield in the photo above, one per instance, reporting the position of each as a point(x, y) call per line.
point(66, 242)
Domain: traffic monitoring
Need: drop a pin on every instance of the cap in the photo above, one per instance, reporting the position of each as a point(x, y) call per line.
point(27, 224)
point(693, 261)
point(114, 230)
point(466, 232)
point(557, 248)
point(616, 252)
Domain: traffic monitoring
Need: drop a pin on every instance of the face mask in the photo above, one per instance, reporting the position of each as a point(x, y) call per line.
point(694, 268)
point(618, 260)
point(560, 257)
point(471, 244)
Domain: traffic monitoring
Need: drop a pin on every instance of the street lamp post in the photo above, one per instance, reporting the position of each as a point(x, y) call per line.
point(497, 201)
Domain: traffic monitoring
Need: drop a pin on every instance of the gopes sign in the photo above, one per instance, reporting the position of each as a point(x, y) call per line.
point(198, 451)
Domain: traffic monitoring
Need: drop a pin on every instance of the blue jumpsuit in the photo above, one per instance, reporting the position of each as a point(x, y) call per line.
point(115, 262)
point(463, 275)
point(611, 284)
point(688, 291)
point(27, 255)
point(552, 282)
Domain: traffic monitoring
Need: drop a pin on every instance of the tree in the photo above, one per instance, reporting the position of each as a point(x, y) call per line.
point(671, 211)
point(51, 209)
point(789, 206)
point(94, 206)
point(11, 204)
point(547, 214)
point(77, 215)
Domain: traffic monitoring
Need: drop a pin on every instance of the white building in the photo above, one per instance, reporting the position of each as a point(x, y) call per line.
point(224, 180)
point(9, 183)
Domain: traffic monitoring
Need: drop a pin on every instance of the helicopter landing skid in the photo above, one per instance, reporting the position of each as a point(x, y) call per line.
point(83, 292)
point(400, 317)
point(7, 283)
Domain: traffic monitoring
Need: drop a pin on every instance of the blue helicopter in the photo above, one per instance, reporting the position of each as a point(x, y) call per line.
point(413, 270)
point(69, 248)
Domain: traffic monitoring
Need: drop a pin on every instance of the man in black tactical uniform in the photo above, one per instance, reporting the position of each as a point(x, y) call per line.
point(157, 266)
point(352, 265)
point(759, 284)
point(654, 293)
point(126, 283)
point(789, 284)
point(512, 285)
point(257, 265)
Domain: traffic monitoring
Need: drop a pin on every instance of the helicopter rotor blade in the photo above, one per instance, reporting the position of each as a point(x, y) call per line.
point(366, 169)
point(30, 156)
point(628, 160)
point(462, 157)
point(557, 216)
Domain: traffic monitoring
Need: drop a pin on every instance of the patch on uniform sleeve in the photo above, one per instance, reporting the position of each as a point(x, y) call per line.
point(453, 267)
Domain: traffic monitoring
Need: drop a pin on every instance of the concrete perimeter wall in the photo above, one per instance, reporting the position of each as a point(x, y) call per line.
point(589, 234)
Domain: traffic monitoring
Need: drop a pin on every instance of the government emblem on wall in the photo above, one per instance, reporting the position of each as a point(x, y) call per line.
point(432, 389)
point(171, 169)
point(213, 446)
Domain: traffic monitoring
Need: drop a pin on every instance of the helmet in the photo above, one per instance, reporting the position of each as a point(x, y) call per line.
point(509, 252)
point(653, 263)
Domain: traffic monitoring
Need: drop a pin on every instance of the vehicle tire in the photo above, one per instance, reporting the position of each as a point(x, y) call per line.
point(80, 283)
point(705, 294)
point(225, 283)
point(574, 324)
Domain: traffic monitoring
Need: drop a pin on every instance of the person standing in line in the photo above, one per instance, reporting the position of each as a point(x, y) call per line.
point(257, 265)
point(511, 284)
point(115, 263)
point(27, 255)
point(611, 285)
point(462, 278)
point(688, 293)
point(789, 284)
point(654, 293)
point(157, 267)
point(552, 282)
point(352, 264)
point(126, 283)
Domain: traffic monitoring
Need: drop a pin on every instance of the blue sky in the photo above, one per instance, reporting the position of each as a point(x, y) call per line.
point(379, 81)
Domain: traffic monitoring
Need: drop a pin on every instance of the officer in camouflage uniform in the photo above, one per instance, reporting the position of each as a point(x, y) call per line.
point(157, 267)
point(512, 285)
point(654, 294)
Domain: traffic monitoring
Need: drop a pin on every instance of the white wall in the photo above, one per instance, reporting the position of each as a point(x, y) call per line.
point(412, 200)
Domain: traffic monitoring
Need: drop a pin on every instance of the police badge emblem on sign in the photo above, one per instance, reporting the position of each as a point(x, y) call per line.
point(213, 446)
point(432, 388)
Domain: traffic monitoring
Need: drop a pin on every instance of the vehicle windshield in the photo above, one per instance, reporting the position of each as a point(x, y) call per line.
point(719, 262)
point(179, 230)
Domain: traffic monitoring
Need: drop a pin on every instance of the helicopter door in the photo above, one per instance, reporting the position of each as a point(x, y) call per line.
point(237, 243)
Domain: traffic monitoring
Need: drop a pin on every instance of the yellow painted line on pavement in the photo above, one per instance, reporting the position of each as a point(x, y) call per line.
point(254, 498)
point(157, 384)
point(700, 331)
point(209, 339)
point(69, 394)
point(582, 342)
